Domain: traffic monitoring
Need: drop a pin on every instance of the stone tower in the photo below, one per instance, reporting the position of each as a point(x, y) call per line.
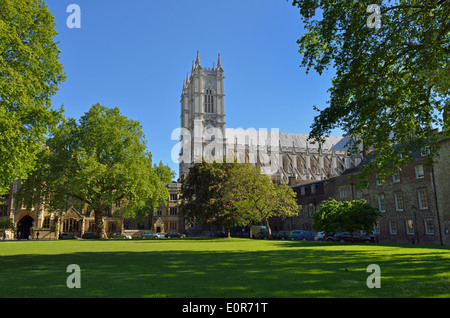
point(202, 114)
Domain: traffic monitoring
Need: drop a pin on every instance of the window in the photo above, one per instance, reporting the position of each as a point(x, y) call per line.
point(419, 172)
point(376, 228)
point(311, 209)
point(158, 211)
point(302, 190)
point(393, 227)
point(300, 211)
point(398, 198)
point(173, 225)
point(423, 200)
point(173, 211)
point(379, 182)
point(209, 101)
point(429, 227)
point(313, 188)
point(425, 151)
point(46, 223)
point(381, 206)
point(409, 227)
point(173, 197)
point(3, 210)
point(396, 177)
point(343, 193)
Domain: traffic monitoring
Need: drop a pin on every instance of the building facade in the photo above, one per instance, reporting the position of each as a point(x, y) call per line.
point(412, 203)
point(286, 157)
point(38, 223)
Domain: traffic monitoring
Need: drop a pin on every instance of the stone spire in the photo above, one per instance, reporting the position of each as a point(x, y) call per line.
point(219, 63)
point(197, 61)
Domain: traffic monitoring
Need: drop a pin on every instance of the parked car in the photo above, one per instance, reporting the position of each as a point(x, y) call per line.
point(281, 235)
point(262, 235)
point(89, 235)
point(348, 237)
point(149, 235)
point(120, 235)
point(307, 236)
point(294, 235)
point(67, 236)
point(175, 235)
point(322, 236)
point(254, 229)
point(161, 235)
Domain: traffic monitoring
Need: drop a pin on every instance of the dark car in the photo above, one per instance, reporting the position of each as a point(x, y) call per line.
point(349, 237)
point(89, 235)
point(175, 235)
point(67, 236)
point(281, 235)
point(262, 235)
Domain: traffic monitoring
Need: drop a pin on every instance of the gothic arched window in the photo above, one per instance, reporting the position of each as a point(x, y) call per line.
point(209, 101)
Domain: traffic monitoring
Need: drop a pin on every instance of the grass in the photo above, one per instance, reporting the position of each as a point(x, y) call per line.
point(219, 268)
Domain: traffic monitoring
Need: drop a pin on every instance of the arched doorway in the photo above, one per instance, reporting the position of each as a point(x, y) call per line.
point(24, 227)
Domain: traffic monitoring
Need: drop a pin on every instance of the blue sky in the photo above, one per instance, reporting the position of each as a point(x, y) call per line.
point(135, 54)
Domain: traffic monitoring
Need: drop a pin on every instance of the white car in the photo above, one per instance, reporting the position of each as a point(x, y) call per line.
point(319, 236)
point(120, 235)
point(161, 235)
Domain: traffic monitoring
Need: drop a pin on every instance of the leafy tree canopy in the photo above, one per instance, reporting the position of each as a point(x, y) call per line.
point(205, 200)
point(257, 197)
point(233, 194)
point(392, 83)
point(30, 73)
point(351, 216)
point(99, 163)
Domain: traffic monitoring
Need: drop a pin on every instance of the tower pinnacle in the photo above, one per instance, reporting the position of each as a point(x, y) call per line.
point(197, 62)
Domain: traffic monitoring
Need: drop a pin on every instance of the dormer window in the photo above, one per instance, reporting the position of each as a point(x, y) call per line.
point(209, 101)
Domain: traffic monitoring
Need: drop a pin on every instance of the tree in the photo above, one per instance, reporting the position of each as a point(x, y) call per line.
point(30, 73)
point(204, 200)
point(257, 198)
point(100, 163)
point(350, 216)
point(6, 223)
point(392, 83)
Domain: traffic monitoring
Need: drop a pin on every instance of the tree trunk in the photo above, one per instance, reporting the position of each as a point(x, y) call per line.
point(99, 226)
point(269, 231)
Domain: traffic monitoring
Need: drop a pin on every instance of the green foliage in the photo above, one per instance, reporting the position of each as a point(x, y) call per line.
point(30, 73)
point(205, 200)
point(257, 197)
point(99, 163)
point(6, 223)
point(391, 84)
point(350, 216)
point(233, 194)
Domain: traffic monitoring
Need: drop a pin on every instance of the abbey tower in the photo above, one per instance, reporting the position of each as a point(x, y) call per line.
point(286, 157)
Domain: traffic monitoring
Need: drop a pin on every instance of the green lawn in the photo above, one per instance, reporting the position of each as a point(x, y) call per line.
point(221, 268)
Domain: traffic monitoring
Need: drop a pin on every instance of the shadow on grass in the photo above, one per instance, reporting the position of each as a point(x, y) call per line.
point(306, 271)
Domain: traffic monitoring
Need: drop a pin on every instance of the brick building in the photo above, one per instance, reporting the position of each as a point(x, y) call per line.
point(415, 203)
